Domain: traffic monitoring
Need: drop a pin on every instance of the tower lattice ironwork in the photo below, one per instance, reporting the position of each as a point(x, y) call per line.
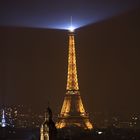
point(73, 112)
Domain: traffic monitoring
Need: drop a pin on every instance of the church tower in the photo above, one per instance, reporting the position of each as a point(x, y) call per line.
point(73, 112)
point(48, 129)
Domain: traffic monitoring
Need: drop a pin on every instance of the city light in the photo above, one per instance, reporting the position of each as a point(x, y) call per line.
point(3, 121)
point(99, 132)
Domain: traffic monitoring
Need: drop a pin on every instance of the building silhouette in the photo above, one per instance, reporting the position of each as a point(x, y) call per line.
point(48, 129)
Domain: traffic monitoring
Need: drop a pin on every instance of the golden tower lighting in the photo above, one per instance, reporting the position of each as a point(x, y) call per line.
point(73, 112)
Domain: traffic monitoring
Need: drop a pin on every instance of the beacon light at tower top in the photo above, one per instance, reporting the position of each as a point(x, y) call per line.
point(71, 29)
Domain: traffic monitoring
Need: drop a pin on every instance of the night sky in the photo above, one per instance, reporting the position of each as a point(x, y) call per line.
point(33, 53)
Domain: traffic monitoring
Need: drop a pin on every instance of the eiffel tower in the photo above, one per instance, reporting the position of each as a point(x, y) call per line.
point(73, 112)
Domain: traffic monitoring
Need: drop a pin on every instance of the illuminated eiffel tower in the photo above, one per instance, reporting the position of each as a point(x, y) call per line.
point(73, 112)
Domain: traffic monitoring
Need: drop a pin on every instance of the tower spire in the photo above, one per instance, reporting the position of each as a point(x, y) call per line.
point(71, 21)
point(72, 80)
point(71, 28)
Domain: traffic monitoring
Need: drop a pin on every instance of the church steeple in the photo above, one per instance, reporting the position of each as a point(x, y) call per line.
point(48, 129)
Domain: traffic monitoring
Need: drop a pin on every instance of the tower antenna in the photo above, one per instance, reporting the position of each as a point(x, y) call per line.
point(71, 28)
point(71, 21)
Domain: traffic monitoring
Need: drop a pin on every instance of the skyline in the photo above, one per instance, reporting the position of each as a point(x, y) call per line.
point(34, 65)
